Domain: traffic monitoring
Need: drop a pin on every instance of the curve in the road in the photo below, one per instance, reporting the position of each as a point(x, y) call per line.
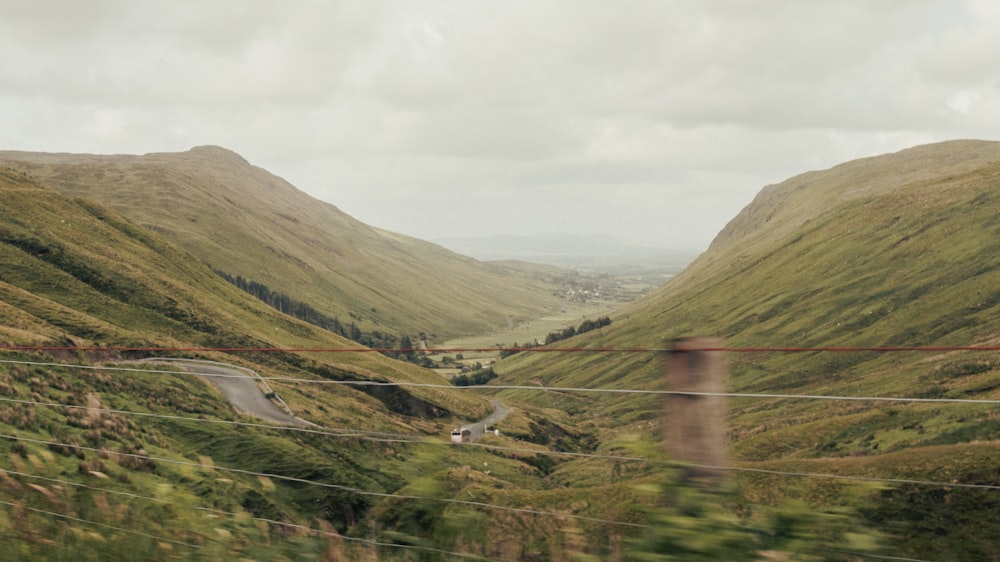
point(239, 386)
point(477, 429)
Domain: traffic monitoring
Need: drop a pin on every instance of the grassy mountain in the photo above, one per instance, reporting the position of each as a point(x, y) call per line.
point(113, 462)
point(246, 222)
point(76, 273)
point(102, 458)
point(895, 250)
point(901, 250)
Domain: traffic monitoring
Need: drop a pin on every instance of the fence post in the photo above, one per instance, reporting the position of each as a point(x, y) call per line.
point(695, 431)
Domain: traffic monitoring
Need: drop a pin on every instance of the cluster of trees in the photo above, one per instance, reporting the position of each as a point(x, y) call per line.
point(552, 337)
point(475, 378)
point(292, 307)
point(585, 326)
point(303, 311)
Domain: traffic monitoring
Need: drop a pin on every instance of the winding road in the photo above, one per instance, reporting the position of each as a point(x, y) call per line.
point(239, 386)
point(477, 429)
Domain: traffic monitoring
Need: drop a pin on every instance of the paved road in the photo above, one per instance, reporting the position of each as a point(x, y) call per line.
point(239, 386)
point(477, 429)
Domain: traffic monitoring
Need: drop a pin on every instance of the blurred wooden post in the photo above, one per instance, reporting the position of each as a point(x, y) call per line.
point(695, 429)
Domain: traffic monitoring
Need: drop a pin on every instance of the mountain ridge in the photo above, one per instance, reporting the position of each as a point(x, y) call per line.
point(898, 250)
point(78, 273)
point(868, 176)
point(895, 250)
point(245, 221)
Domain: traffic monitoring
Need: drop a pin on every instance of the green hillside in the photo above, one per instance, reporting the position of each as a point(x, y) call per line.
point(111, 461)
point(77, 273)
point(114, 461)
point(896, 250)
point(246, 222)
point(105, 457)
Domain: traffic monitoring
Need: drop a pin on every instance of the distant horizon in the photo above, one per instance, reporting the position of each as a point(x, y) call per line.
point(571, 243)
point(652, 120)
point(570, 250)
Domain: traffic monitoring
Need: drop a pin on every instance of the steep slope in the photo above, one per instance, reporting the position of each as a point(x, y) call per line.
point(106, 458)
point(77, 274)
point(244, 221)
point(111, 459)
point(779, 210)
point(896, 250)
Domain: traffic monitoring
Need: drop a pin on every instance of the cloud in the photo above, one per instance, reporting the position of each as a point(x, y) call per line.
point(598, 113)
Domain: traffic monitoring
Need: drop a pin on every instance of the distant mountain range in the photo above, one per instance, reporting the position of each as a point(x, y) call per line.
point(572, 251)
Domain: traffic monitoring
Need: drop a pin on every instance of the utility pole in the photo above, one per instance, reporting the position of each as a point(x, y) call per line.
point(695, 431)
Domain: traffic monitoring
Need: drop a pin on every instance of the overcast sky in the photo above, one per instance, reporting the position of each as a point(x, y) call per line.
point(652, 121)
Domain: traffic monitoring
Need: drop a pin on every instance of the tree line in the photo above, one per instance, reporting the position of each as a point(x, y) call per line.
point(552, 337)
point(303, 311)
point(586, 326)
point(475, 378)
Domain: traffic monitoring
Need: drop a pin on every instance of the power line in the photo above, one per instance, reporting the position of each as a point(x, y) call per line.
point(875, 556)
point(356, 539)
point(435, 550)
point(403, 438)
point(233, 514)
point(523, 510)
point(740, 395)
point(332, 432)
point(530, 387)
point(81, 485)
point(467, 555)
point(479, 504)
point(98, 524)
point(834, 349)
point(326, 484)
point(418, 440)
point(320, 531)
point(826, 397)
point(325, 431)
point(846, 477)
